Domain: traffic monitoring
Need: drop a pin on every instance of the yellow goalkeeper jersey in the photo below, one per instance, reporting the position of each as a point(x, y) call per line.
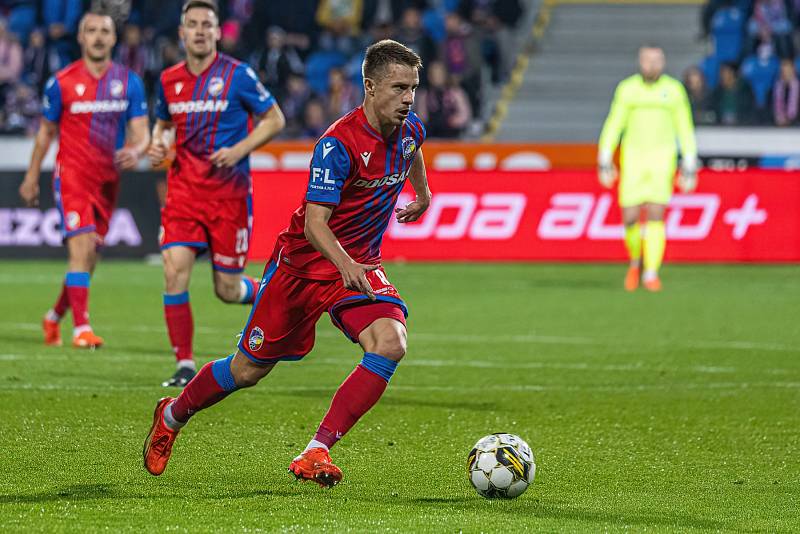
point(652, 120)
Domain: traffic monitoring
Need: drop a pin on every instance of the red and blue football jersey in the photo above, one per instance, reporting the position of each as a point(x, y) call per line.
point(361, 174)
point(209, 111)
point(92, 114)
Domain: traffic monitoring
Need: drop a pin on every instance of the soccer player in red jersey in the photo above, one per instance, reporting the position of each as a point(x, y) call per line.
point(94, 106)
point(208, 100)
point(328, 259)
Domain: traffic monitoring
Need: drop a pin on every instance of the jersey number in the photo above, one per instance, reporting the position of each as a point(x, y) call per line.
point(241, 241)
point(382, 277)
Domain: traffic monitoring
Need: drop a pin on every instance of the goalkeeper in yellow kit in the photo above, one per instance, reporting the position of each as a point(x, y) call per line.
point(651, 114)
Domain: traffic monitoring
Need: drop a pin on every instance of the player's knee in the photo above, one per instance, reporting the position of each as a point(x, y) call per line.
point(391, 345)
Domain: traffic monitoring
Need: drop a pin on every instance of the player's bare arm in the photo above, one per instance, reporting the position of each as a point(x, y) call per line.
point(268, 125)
point(159, 143)
point(319, 234)
point(29, 189)
point(419, 181)
point(128, 156)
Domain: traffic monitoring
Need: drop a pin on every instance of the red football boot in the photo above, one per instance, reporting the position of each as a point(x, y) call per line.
point(316, 465)
point(52, 333)
point(158, 445)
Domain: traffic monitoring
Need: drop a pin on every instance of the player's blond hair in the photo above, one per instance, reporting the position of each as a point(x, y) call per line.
point(388, 52)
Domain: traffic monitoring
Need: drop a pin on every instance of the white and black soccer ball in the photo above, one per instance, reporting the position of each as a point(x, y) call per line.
point(501, 466)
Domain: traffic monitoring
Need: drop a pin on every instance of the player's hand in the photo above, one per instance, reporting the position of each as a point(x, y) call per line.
point(126, 158)
point(607, 175)
point(29, 190)
point(687, 181)
point(226, 157)
point(156, 153)
point(413, 210)
point(354, 276)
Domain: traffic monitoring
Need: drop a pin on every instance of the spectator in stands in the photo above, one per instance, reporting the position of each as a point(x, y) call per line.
point(443, 106)
point(341, 22)
point(277, 60)
point(22, 110)
point(61, 18)
point(412, 34)
point(770, 22)
point(22, 18)
point(314, 121)
point(786, 95)
point(10, 60)
point(36, 61)
point(732, 100)
point(293, 103)
point(699, 95)
point(493, 20)
point(462, 56)
point(342, 95)
point(229, 43)
point(132, 52)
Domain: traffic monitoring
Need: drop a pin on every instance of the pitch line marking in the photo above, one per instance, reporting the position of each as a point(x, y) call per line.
point(471, 338)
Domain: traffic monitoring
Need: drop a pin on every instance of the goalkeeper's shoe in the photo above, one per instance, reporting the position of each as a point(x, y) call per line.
point(158, 445)
point(632, 278)
point(316, 465)
point(52, 333)
point(652, 284)
point(87, 340)
point(181, 377)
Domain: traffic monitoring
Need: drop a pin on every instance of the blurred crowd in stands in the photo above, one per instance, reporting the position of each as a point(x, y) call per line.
point(750, 75)
point(307, 52)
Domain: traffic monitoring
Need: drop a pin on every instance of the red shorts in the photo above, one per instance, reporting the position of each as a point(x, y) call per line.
point(85, 205)
point(221, 226)
point(282, 323)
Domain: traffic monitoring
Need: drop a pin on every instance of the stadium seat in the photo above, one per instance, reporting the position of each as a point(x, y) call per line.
point(710, 69)
point(760, 74)
point(727, 29)
point(319, 65)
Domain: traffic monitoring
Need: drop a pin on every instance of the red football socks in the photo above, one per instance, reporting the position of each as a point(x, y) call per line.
point(213, 383)
point(77, 286)
point(62, 304)
point(180, 325)
point(357, 394)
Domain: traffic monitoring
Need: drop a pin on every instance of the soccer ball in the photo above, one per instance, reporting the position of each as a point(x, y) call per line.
point(501, 466)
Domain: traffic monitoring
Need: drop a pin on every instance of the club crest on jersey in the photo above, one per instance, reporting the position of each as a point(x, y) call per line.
point(409, 147)
point(215, 86)
point(256, 339)
point(116, 88)
point(73, 220)
point(178, 87)
point(80, 89)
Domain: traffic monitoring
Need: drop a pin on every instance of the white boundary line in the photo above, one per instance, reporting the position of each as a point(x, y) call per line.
point(473, 338)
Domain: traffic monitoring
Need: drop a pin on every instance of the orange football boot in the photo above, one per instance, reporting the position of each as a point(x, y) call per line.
point(158, 445)
point(87, 340)
point(52, 333)
point(316, 465)
point(632, 278)
point(653, 284)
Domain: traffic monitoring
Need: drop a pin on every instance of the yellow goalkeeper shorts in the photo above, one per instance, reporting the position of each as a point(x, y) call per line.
point(642, 185)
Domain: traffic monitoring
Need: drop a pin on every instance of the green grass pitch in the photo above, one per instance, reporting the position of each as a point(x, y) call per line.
point(677, 411)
